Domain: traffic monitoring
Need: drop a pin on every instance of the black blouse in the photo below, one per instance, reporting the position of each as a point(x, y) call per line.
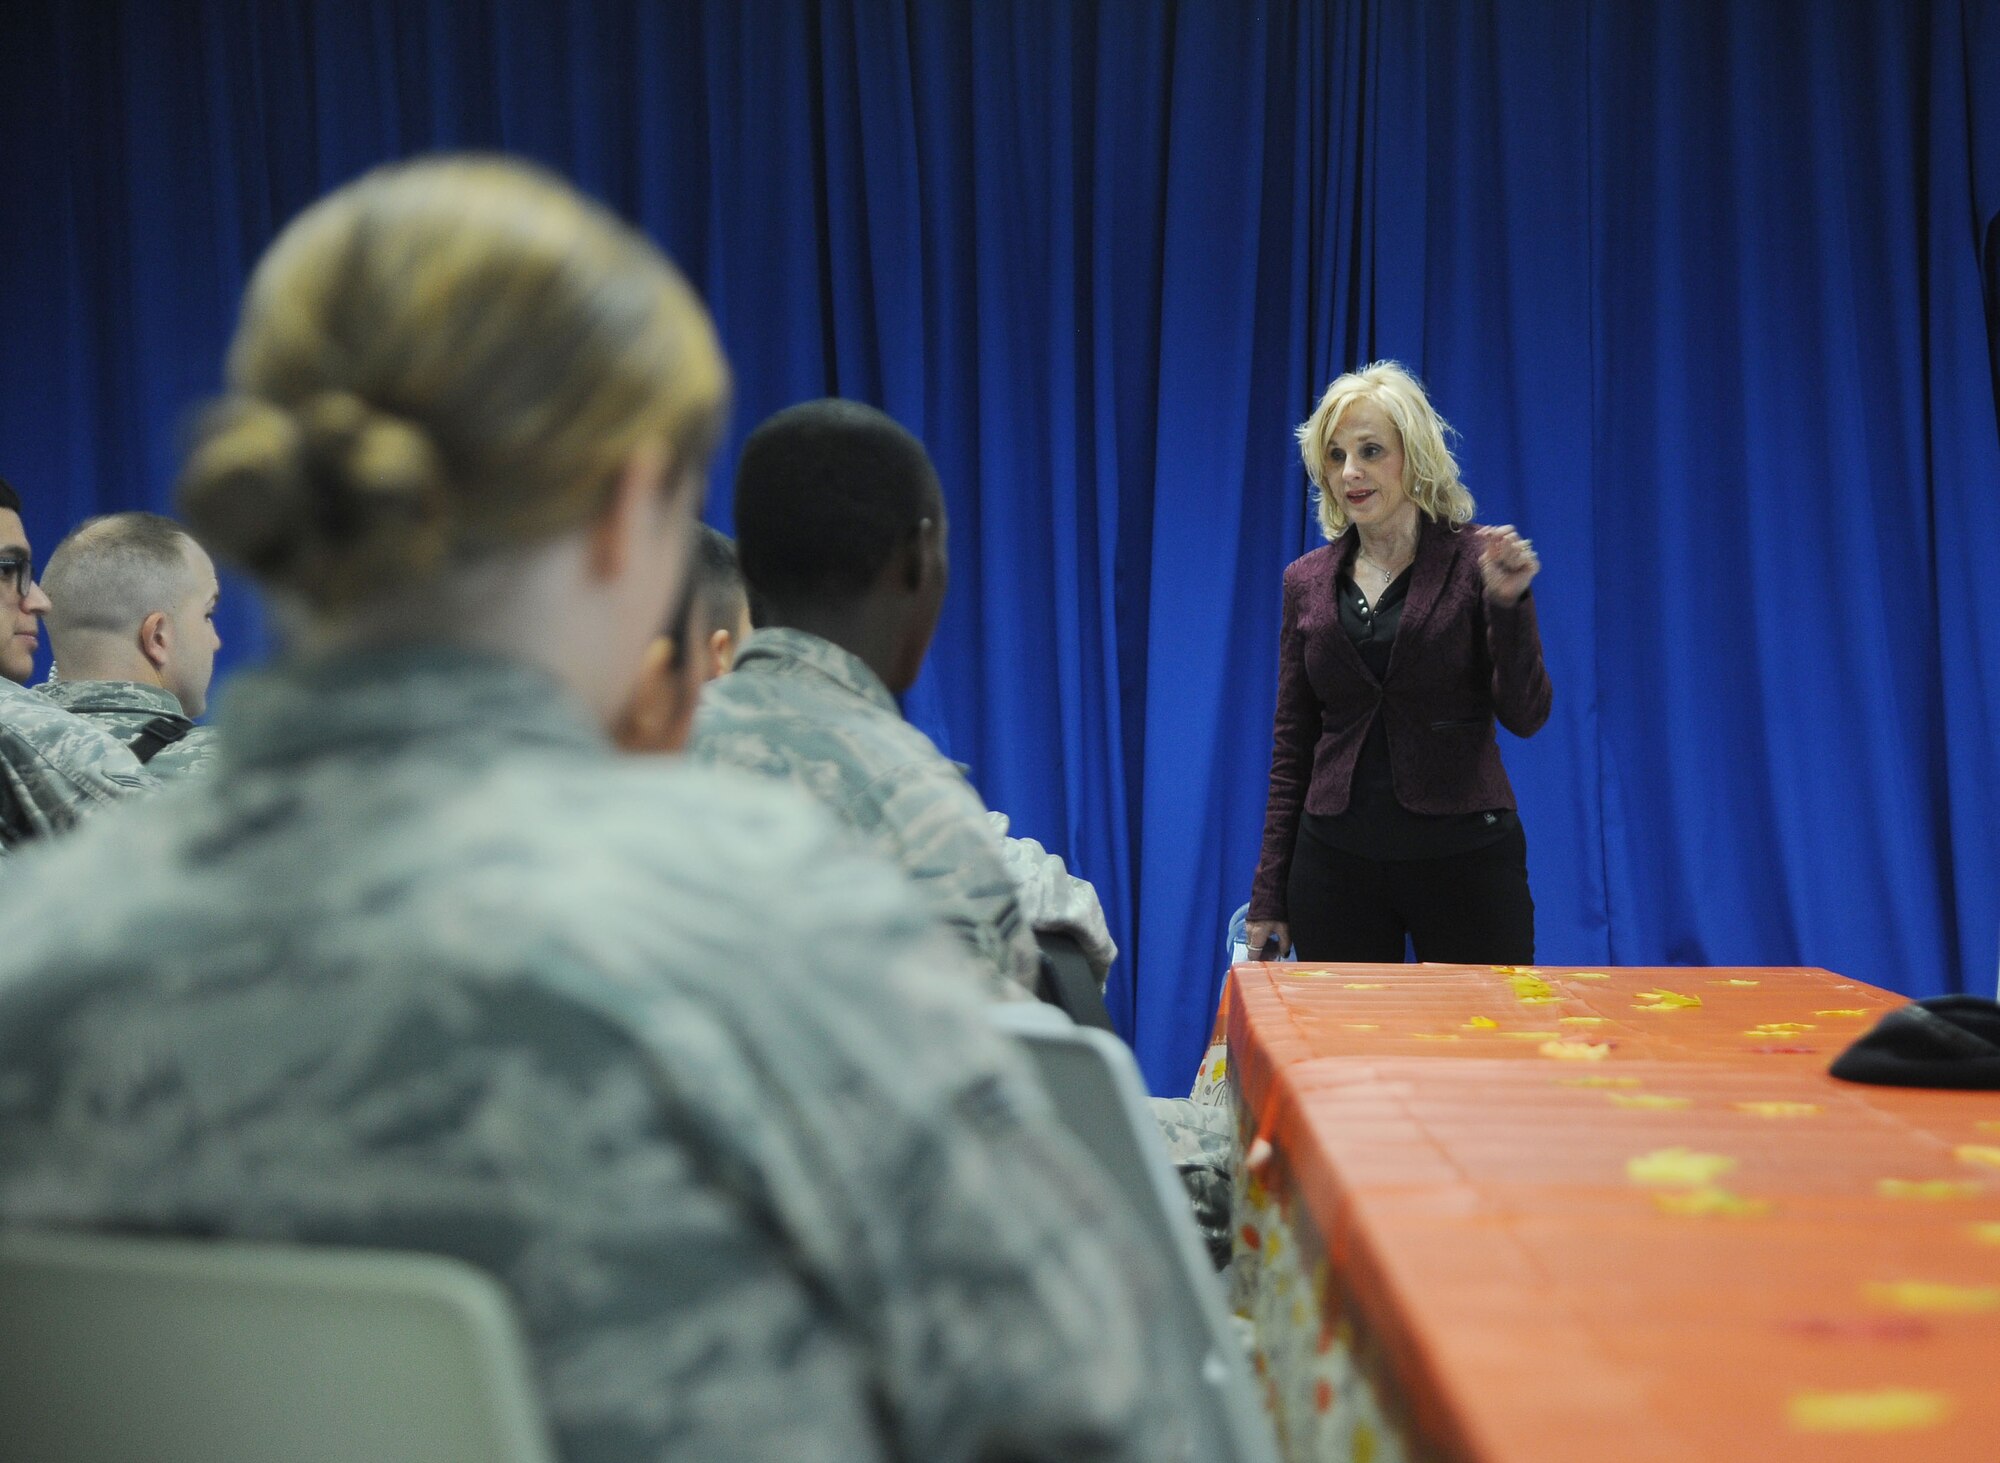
point(1375, 825)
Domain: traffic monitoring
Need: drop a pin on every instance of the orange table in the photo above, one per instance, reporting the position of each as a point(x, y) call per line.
point(1567, 1215)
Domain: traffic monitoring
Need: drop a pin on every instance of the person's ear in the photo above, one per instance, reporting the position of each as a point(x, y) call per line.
point(156, 639)
point(628, 511)
point(721, 653)
point(648, 717)
point(920, 557)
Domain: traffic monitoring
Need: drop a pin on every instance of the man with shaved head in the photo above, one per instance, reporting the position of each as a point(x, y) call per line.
point(131, 622)
point(55, 768)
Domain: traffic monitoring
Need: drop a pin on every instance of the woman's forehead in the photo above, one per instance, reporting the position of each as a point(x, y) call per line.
point(1363, 417)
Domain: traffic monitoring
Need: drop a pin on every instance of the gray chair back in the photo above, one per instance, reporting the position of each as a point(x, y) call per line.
point(124, 1350)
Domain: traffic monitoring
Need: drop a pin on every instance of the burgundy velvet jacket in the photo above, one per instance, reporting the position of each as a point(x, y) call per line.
point(1457, 663)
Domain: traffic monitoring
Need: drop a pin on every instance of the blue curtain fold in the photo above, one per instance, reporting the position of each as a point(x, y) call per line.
point(1710, 288)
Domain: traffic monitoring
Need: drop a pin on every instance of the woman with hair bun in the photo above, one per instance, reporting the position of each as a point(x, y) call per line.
point(1403, 640)
point(425, 964)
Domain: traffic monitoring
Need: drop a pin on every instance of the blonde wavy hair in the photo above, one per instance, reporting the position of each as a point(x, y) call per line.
point(1430, 472)
point(442, 359)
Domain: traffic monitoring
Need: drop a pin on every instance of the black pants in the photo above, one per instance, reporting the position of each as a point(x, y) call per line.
point(1468, 909)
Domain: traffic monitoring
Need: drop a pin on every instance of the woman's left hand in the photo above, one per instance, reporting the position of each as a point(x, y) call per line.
point(1507, 562)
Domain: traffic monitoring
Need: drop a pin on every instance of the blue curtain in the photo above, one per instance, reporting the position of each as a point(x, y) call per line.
point(1712, 290)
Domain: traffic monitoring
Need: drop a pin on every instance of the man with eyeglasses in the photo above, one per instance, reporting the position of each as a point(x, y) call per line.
point(55, 767)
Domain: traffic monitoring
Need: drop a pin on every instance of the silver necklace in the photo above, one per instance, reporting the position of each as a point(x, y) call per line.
point(1380, 569)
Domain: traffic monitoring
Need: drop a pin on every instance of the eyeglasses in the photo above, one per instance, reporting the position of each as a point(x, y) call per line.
point(19, 571)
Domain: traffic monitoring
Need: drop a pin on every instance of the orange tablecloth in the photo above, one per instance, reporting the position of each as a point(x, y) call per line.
point(1586, 1218)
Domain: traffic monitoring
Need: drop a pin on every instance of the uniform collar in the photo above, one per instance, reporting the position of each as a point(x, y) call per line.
point(85, 696)
point(788, 651)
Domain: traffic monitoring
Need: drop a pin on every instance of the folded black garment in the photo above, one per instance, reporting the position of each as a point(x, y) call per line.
point(1946, 1041)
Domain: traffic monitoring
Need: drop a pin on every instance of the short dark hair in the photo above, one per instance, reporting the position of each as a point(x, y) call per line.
point(826, 492)
point(718, 578)
point(9, 499)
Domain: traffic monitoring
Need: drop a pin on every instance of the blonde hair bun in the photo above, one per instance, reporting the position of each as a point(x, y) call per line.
point(333, 497)
point(445, 358)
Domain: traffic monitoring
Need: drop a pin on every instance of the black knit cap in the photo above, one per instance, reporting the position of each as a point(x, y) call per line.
point(1946, 1041)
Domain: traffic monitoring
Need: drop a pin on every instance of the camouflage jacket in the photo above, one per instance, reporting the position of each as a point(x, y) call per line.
point(803, 710)
point(427, 966)
point(125, 709)
point(56, 768)
point(1054, 899)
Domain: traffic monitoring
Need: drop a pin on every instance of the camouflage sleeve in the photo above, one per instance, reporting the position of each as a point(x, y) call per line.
point(56, 768)
point(933, 827)
point(1201, 1141)
point(1053, 899)
point(192, 756)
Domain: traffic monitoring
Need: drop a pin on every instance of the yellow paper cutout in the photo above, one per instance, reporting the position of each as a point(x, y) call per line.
point(1532, 988)
point(1666, 1001)
point(1978, 1155)
point(1780, 1028)
point(1928, 1295)
point(1648, 1101)
point(1579, 1020)
point(1521, 970)
point(1362, 1026)
point(1886, 1410)
point(1574, 1051)
point(1778, 1109)
point(1862, 1012)
point(1677, 1168)
point(1588, 975)
point(1712, 1204)
point(1481, 1023)
point(1932, 1189)
point(1366, 985)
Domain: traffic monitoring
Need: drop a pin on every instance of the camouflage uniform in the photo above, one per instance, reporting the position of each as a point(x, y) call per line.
point(427, 966)
point(1053, 900)
point(803, 710)
point(125, 709)
point(56, 768)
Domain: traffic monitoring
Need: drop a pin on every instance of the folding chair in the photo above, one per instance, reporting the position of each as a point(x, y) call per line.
point(1097, 1091)
point(126, 1350)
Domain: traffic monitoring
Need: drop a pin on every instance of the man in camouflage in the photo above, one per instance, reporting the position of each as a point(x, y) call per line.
point(132, 625)
point(841, 531)
point(55, 768)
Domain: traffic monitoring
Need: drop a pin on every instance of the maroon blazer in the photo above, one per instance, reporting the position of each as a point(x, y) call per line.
point(1457, 663)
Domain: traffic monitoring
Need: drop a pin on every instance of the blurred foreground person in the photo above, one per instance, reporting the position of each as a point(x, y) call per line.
point(55, 768)
point(132, 625)
point(427, 964)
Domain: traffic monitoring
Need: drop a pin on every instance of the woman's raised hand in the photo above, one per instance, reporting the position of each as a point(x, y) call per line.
point(1507, 563)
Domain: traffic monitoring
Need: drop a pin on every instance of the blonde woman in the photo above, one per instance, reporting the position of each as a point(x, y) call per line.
point(424, 964)
point(1403, 641)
